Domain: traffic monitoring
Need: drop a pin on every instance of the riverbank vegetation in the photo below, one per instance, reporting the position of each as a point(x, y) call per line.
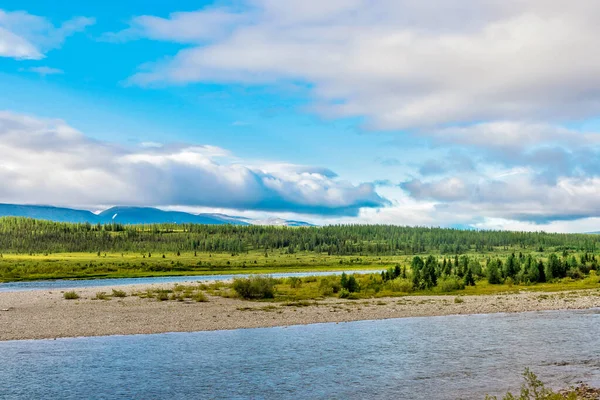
point(406, 259)
point(534, 389)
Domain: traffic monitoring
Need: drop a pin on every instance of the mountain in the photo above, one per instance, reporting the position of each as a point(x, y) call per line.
point(279, 222)
point(133, 215)
point(147, 215)
point(57, 214)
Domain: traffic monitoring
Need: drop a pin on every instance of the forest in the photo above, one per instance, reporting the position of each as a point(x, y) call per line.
point(27, 236)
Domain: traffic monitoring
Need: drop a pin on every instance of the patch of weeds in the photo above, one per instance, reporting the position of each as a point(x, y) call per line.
point(119, 293)
point(162, 296)
point(458, 300)
point(300, 303)
point(101, 296)
point(72, 295)
point(200, 297)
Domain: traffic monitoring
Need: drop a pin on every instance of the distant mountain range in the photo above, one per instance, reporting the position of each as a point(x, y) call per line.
point(133, 215)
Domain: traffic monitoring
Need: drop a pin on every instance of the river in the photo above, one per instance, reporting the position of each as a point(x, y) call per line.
point(446, 357)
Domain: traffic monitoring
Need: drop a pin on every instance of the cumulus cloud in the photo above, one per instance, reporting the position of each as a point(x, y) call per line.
point(24, 36)
point(184, 27)
point(515, 197)
point(548, 151)
point(399, 63)
point(47, 161)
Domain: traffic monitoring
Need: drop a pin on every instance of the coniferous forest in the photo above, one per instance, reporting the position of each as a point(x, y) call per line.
point(21, 235)
point(412, 258)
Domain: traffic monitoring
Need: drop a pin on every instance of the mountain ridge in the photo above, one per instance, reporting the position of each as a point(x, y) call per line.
point(131, 215)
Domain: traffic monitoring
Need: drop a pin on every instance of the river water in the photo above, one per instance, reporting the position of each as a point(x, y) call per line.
point(84, 283)
point(448, 357)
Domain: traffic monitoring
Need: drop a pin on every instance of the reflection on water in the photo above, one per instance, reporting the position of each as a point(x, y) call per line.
point(414, 358)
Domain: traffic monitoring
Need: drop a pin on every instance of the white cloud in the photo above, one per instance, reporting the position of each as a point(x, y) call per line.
point(548, 151)
point(43, 71)
point(47, 161)
point(517, 197)
point(400, 63)
point(25, 36)
point(513, 136)
point(185, 27)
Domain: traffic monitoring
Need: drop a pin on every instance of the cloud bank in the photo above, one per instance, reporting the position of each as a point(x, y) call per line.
point(398, 63)
point(48, 161)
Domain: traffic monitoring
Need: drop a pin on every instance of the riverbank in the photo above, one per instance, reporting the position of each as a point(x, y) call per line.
point(47, 314)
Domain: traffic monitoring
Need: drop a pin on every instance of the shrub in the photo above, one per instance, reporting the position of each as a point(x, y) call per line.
point(534, 389)
point(344, 293)
point(119, 293)
point(101, 296)
point(451, 284)
point(71, 295)
point(294, 282)
point(328, 286)
point(200, 297)
point(255, 287)
point(349, 283)
point(400, 285)
point(162, 296)
point(575, 273)
point(458, 300)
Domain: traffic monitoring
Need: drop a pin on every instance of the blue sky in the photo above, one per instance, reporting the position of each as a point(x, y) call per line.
point(473, 114)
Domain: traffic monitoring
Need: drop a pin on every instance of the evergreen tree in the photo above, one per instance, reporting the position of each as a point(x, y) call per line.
point(493, 272)
point(469, 280)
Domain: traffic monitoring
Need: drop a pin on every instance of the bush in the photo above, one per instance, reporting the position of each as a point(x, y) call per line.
point(344, 293)
point(349, 283)
point(200, 297)
point(162, 296)
point(451, 284)
point(255, 287)
point(119, 293)
point(534, 389)
point(329, 286)
point(101, 296)
point(575, 273)
point(71, 295)
point(399, 285)
point(294, 282)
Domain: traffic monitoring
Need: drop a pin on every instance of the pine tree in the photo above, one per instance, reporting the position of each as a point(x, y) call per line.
point(469, 280)
point(493, 273)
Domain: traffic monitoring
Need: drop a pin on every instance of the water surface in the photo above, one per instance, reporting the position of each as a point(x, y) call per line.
point(412, 358)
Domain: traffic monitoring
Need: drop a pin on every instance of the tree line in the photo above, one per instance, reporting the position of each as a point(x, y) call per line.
point(23, 235)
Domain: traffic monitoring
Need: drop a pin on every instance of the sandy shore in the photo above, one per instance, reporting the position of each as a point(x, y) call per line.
point(46, 314)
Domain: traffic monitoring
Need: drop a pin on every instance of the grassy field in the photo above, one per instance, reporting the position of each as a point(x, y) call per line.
point(14, 267)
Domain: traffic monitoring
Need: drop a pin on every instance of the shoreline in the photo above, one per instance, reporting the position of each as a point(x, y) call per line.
point(43, 314)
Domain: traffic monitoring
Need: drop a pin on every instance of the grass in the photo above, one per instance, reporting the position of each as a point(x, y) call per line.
point(101, 296)
point(178, 293)
point(72, 295)
point(317, 288)
point(534, 389)
point(118, 293)
point(16, 267)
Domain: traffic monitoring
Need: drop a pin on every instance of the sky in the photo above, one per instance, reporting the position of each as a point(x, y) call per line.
point(475, 114)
